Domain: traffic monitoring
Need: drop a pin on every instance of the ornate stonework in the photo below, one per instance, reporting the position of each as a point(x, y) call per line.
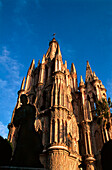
point(65, 113)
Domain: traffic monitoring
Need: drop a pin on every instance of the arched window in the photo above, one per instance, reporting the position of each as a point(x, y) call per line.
point(49, 101)
point(46, 76)
point(53, 67)
point(58, 97)
point(57, 65)
point(53, 130)
point(89, 108)
point(62, 98)
point(66, 130)
point(54, 96)
point(58, 131)
point(62, 131)
point(95, 99)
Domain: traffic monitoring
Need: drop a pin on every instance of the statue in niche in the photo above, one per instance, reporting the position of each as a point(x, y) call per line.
point(29, 142)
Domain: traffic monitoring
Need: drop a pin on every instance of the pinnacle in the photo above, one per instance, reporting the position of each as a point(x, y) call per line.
point(94, 76)
point(81, 81)
point(22, 84)
point(43, 60)
point(88, 66)
point(32, 63)
point(38, 62)
point(73, 69)
point(65, 63)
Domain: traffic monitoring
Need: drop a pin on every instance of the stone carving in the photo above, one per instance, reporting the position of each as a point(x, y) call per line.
point(29, 144)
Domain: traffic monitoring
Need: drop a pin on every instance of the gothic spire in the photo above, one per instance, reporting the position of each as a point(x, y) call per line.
point(53, 49)
point(88, 72)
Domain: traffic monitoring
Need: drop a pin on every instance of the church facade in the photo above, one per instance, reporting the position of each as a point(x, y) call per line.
point(65, 113)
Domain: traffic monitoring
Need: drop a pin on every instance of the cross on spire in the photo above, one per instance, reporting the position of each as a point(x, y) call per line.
point(54, 35)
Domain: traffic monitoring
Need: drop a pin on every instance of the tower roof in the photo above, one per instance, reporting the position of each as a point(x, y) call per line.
point(53, 40)
point(53, 49)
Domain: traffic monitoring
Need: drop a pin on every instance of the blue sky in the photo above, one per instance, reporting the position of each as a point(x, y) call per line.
point(83, 29)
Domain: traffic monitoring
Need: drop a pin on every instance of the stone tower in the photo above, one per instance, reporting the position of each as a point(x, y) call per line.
point(65, 113)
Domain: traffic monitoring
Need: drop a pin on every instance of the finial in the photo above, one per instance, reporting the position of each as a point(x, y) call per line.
point(54, 35)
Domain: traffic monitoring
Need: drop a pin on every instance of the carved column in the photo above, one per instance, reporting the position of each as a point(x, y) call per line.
point(85, 141)
point(89, 142)
point(89, 161)
point(92, 106)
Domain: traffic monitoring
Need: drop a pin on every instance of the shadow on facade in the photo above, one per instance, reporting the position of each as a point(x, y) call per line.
point(5, 151)
point(106, 156)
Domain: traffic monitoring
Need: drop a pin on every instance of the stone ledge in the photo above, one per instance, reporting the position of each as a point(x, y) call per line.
point(19, 168)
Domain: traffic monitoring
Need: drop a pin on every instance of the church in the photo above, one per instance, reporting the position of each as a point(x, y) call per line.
point(65, 113)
